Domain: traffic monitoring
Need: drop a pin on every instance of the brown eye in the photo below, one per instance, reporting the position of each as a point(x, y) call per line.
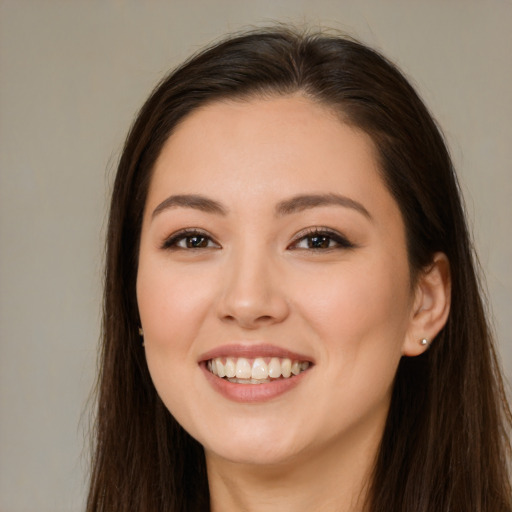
point(190, 239)
point(317, 239)
point(318, 242)
point(196, 242)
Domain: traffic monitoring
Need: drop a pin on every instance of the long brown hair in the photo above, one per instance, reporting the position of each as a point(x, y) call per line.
point(446, 442)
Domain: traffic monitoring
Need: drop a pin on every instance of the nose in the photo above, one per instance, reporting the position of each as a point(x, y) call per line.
point(253, 293)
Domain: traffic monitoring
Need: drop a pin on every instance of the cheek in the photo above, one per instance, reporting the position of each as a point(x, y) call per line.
point(171, 303)
point(359, 306)
point(359, 319)
point(172, 306)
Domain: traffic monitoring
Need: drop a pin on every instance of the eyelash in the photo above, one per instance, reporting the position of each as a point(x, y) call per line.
point(172, 243)
point(340, 241)
point(325, 234)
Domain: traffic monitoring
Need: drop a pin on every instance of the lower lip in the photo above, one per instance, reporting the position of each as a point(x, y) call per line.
point(251, 393)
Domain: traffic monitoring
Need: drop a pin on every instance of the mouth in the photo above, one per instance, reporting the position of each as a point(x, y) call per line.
point(254, 373)
point(258, 370)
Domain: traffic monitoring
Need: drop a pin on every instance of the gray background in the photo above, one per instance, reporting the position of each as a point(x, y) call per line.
point(72, 75)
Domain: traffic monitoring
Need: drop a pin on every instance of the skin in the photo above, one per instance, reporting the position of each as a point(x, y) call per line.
point(351, 310)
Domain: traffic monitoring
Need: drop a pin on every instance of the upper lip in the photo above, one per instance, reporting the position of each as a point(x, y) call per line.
point(252, 351)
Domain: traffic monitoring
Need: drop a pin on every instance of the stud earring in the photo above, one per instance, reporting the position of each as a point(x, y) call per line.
point(141, 333)
point(424, 342)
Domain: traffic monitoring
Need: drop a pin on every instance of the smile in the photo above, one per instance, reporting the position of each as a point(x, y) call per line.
point(259, 370)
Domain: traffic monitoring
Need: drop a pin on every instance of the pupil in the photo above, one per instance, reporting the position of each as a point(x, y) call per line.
point(319, 242)
point(196, 241)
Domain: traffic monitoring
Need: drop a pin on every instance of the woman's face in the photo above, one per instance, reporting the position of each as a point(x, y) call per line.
point(270, 246)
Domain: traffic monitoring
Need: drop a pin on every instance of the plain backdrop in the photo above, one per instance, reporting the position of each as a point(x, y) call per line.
point(72, 76)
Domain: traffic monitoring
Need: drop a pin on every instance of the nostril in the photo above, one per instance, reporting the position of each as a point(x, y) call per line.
point(252, 310)
point(249, 322)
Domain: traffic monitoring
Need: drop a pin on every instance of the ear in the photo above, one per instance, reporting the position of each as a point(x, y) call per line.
point(431, 306)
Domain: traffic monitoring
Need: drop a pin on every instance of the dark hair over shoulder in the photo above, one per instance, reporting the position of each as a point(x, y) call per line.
point(446, 442)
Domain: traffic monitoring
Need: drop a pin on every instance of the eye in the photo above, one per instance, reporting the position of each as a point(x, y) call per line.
point(320, 239)
point(190, 239)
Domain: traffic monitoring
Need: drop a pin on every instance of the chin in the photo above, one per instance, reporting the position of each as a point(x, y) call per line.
point(253, 454)
point(251, 445)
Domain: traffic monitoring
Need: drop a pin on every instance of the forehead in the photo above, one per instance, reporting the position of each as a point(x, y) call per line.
point(265, 149)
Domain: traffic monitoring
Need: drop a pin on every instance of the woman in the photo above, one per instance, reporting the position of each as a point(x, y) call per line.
point(292, 316)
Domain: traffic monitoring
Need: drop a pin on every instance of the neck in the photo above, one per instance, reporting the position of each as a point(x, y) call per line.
point(334, 478)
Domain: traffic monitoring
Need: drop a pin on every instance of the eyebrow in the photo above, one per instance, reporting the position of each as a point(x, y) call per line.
point(287, 207)
point(194, 201)
point(305, 202)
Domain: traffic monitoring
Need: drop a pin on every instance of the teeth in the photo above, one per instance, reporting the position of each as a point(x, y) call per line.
point(248, 371)
point(243, 369)
point(304, 366)
point(274, 368)
point(259, 369)
point(220, 369)
point(230, 368)
point(286, 368)
point(249, 381)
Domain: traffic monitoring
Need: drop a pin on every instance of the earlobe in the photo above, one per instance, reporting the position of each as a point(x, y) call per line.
point(431, 306)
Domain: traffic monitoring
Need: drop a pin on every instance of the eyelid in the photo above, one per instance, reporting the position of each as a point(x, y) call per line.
point(342, 241)
point(170, 241)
